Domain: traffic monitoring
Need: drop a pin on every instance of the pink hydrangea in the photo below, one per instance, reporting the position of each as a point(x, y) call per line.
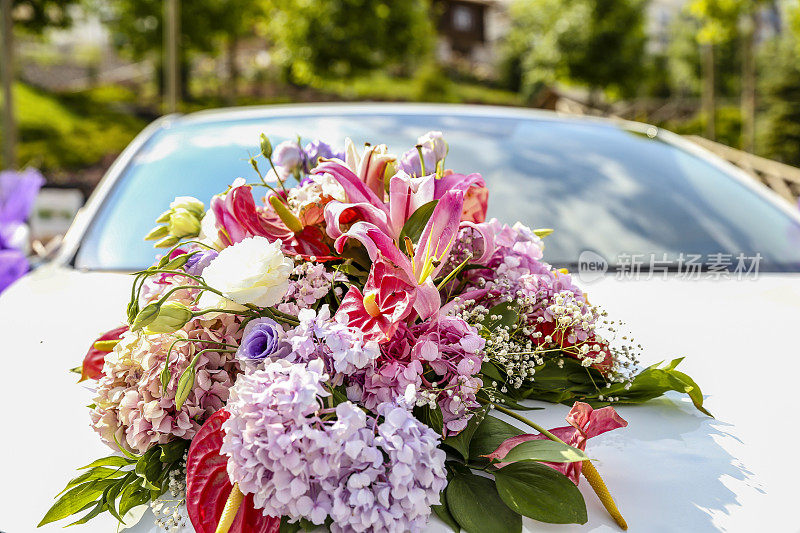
point(441, 357)
point(131, 407)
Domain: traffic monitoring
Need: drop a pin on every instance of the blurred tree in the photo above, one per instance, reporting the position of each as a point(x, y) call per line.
point(597, 43)
point(718, 21)
point(36, 15)
point(780, 85)
point(684, 61)
point(31, 16)
point(315, 38)
point(205, 26)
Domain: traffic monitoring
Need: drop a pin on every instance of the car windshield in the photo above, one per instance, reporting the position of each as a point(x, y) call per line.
point(602, 188)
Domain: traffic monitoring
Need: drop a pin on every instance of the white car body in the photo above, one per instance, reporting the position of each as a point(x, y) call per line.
point(671, 469)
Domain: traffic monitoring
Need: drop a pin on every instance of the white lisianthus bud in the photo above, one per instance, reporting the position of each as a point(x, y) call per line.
point(190, 203)
point(184, 223)
point(252, 271)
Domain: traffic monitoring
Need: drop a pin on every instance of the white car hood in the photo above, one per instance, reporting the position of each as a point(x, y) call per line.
point(671, 469)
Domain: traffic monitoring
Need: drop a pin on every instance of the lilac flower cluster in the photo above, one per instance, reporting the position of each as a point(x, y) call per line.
point(309, 283)
point(298, 461)
point(342, 348)
point(290, 157)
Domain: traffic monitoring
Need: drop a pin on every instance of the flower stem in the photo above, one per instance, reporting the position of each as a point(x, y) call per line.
point(524, 420)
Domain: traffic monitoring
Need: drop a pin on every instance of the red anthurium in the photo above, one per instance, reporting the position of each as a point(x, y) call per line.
point(92, 367)
point(389, 298)
point(584, 423)
point(208, 485)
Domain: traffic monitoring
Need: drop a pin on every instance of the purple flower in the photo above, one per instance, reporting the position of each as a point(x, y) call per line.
point(13, 265)
point(316, 149)
point(199, 261)
point(18, 190)
point(289, 155)
point(261, 339)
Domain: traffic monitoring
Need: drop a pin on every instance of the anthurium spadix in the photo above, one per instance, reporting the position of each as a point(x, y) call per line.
point(430, 253)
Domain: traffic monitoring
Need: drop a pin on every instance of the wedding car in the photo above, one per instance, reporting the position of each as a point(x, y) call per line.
point(698, 260)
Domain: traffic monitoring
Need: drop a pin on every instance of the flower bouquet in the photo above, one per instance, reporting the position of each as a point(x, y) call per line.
point(332, 355)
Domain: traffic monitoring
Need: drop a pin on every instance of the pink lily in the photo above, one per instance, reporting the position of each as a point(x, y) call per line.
point(584, 423)
point(237, 217)
point(389, 298)
point(434, 247)
point(370, 166)
point(406, 194)
point(476, 195)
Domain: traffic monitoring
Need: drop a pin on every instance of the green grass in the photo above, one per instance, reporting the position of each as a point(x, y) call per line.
point(427, 87)
point(63, 132)
point(67, 132)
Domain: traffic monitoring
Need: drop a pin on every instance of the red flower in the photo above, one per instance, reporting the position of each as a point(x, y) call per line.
point(94, 359)
point(389, 298)
point(584, 423)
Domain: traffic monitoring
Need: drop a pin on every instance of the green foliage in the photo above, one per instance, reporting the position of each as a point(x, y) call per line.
point(540, 492)
point(35, 15)
point(571, 381)
point(781, 97)
point(70, 131)
point(544, 450)
point(474, 503)
point(117, 484)
point(137, 25)
point(595, 43)
point(728, 125)
point(718, 18)
point(316, 38)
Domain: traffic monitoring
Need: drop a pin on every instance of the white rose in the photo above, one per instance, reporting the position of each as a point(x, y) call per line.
point(253, 271)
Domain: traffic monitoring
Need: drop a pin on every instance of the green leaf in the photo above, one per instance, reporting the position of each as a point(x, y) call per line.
point(132, 496)
point(99, 472)
point(694, 392)
point(541, 493)
point(289, 527)
point(508, 313)
point(544, 450)
point(491, 371)
point(476, 506)
point(113, 460)
point(149, 467)
point(653, 382)
point(443, 512)
point(489, 435)
point(98, 508)
point(173, 450)
point(75, 500)
point(430, 417)
point(416, 223)
point(460, 442)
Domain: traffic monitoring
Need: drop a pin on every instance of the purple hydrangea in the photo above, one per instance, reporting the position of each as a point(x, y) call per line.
point(342, 348)
point(299, 461)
